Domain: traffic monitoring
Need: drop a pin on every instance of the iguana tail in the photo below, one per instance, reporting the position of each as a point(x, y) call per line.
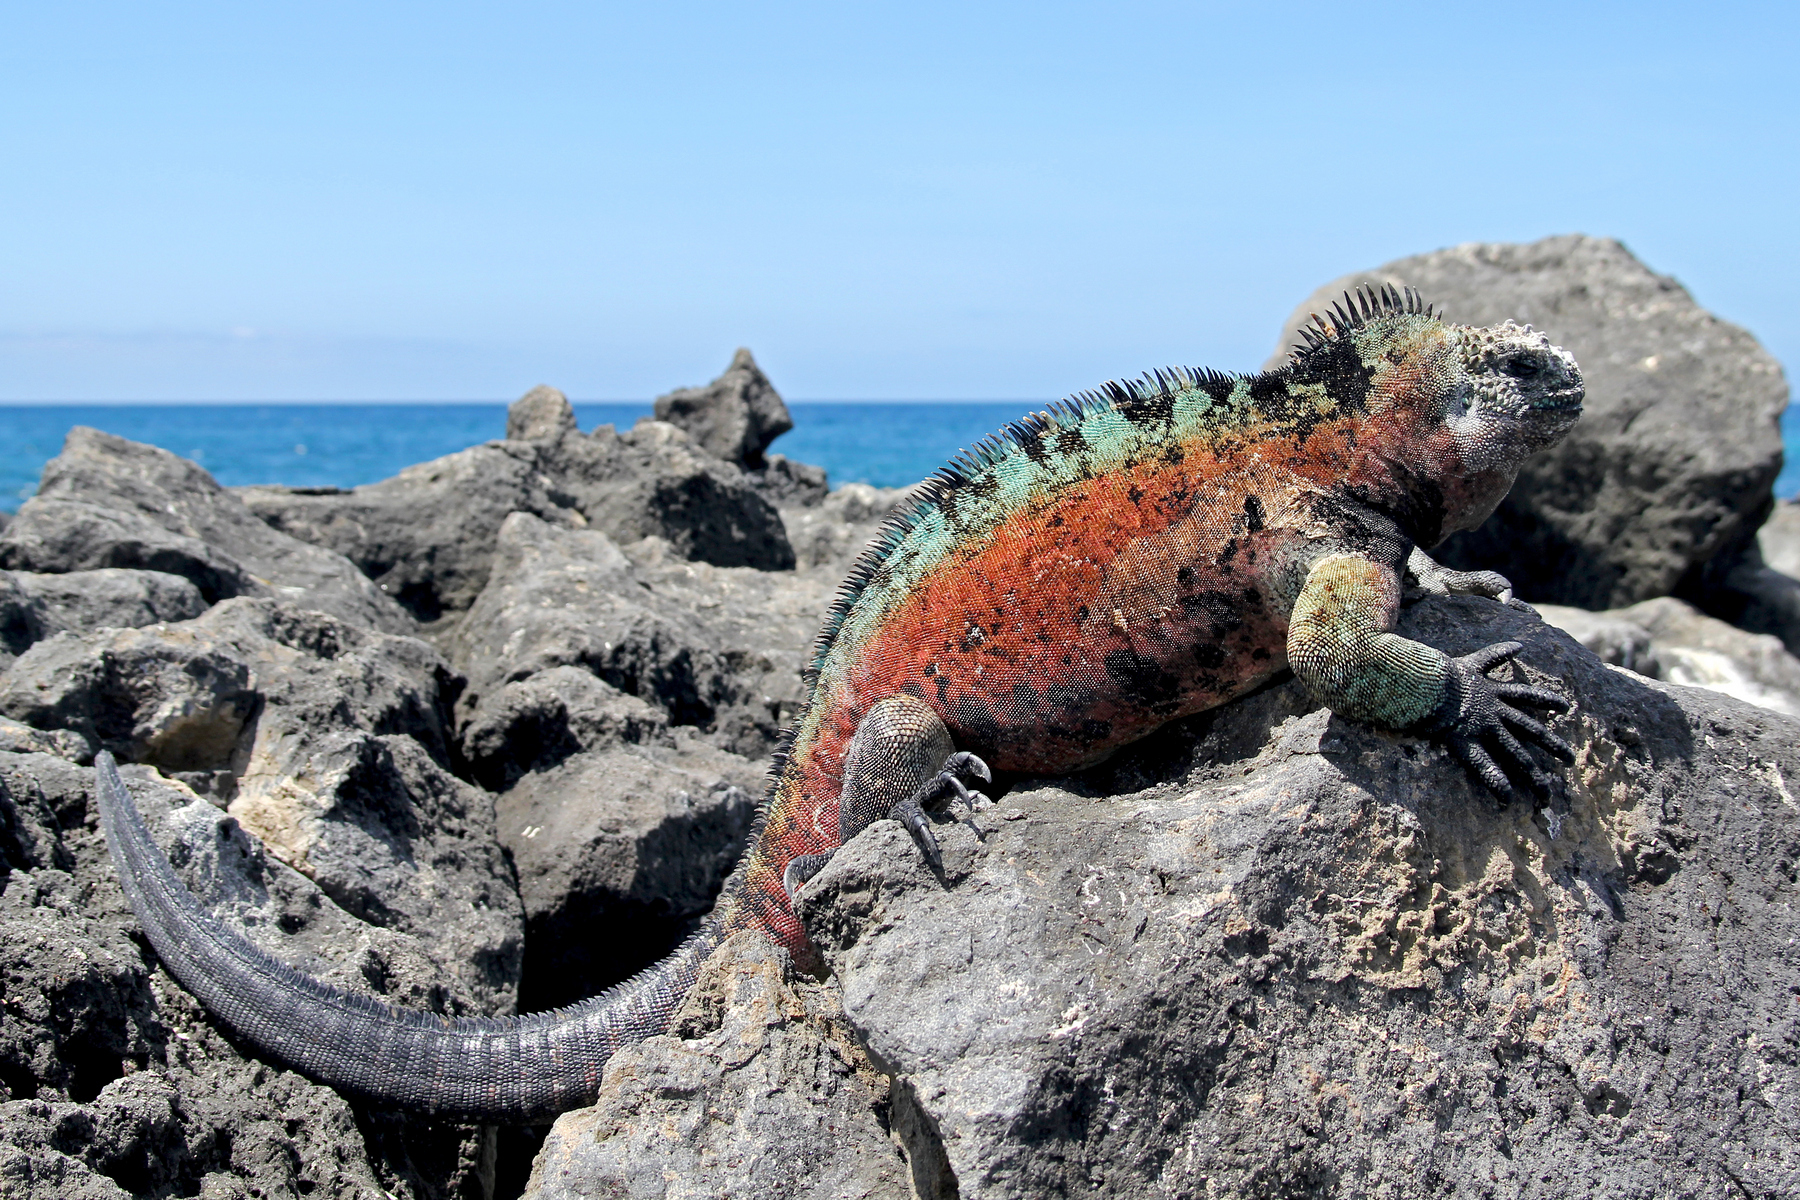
point(509, 1069)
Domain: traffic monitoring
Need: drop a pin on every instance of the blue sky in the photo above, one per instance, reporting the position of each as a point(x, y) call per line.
point(450, 201)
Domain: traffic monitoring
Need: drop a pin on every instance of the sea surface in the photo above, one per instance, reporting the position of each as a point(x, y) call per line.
point(890, 444)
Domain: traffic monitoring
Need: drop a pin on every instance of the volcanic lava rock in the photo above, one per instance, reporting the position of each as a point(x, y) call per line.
point(734, 417)
point(769, 1095)
point(333, 744)
point(426, 536)
point(118, 1084)
point(108, 502)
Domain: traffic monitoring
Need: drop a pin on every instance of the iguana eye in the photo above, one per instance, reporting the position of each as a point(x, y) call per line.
point(1521, 367)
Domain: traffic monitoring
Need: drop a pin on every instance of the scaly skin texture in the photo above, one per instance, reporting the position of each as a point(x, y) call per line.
point(1132, 557)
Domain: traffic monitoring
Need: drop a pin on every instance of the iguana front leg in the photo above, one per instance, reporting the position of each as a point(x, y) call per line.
point(1341, 646)
point(1434, 579)
point(901, 764)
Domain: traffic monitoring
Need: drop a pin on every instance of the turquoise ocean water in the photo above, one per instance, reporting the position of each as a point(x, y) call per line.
point(888, 444)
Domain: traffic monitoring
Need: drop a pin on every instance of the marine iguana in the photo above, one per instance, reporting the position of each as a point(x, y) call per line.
point(1131, 556)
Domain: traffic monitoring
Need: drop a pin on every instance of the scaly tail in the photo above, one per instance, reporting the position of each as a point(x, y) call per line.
point(510, 1069)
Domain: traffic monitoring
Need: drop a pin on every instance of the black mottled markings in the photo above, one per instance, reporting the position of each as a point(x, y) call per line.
point(1184, 576)
point(943, 687)
point(1209, 656)
point(1135, 494)
point(1227, 552)
point(1221, 609)
point(1081, 614)
point(1260, 653)
point(1143, 680)
point(930, 670)
point(1024, 702)
point(978, 721)
point(1253, 513)
point(1031, 441)
point(913, 687)
point(1219, 387)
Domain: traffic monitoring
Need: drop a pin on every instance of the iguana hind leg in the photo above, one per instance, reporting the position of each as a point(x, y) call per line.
point(901, 764)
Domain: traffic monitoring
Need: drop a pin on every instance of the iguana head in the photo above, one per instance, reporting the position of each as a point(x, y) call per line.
point(1449, 412)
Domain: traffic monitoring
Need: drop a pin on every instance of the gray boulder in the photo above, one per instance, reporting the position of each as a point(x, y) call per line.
point(331, 743)
point(832, 533)
point(570, 597)
point(426, 536)
point(110, 598)
point(734, 417)
point(767, 1095)
point(1662, 485)
point(108, 502)
point(533, 724)
point(653, 481)
point(1761, 590)
point(619, 852)
point(117, 1084)
point(1667, 639)
point(1272, 952)
point(541, 415)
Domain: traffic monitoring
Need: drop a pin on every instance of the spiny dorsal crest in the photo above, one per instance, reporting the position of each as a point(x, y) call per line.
point(1356, 310)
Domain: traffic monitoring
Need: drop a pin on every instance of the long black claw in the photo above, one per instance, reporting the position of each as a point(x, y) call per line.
point(1483, 764)
point(963, 765)
point(911, 813)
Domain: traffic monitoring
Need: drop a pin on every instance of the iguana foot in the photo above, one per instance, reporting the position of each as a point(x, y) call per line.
point(1432, 579)
point(901, 764)
point(800, 869)
point(946, 787)
point(1477, 720)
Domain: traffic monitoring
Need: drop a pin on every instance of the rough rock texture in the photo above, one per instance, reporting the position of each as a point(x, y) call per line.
point(111, 597)
point(832, 533)
point(1670, 468)
point(719, 648)
point(734, 417)
point(619, 851)
point(1667, 639)
point(108, 502)
point(117, 1083)
point(757, 1092)
point(652, 481)
point(426, 536)
point(541, 415)
point(330, 742)
point(1761, 591)
point(782, 481)
point(590, 678)
point(1293, 956)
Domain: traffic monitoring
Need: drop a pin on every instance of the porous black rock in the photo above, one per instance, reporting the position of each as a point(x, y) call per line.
point(108, 502)
point(425, 536)
point(653, 481)
point(118, 1084)
point(1661, 486)
point(332, 743)
point(734, 417)
point(619, 852)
